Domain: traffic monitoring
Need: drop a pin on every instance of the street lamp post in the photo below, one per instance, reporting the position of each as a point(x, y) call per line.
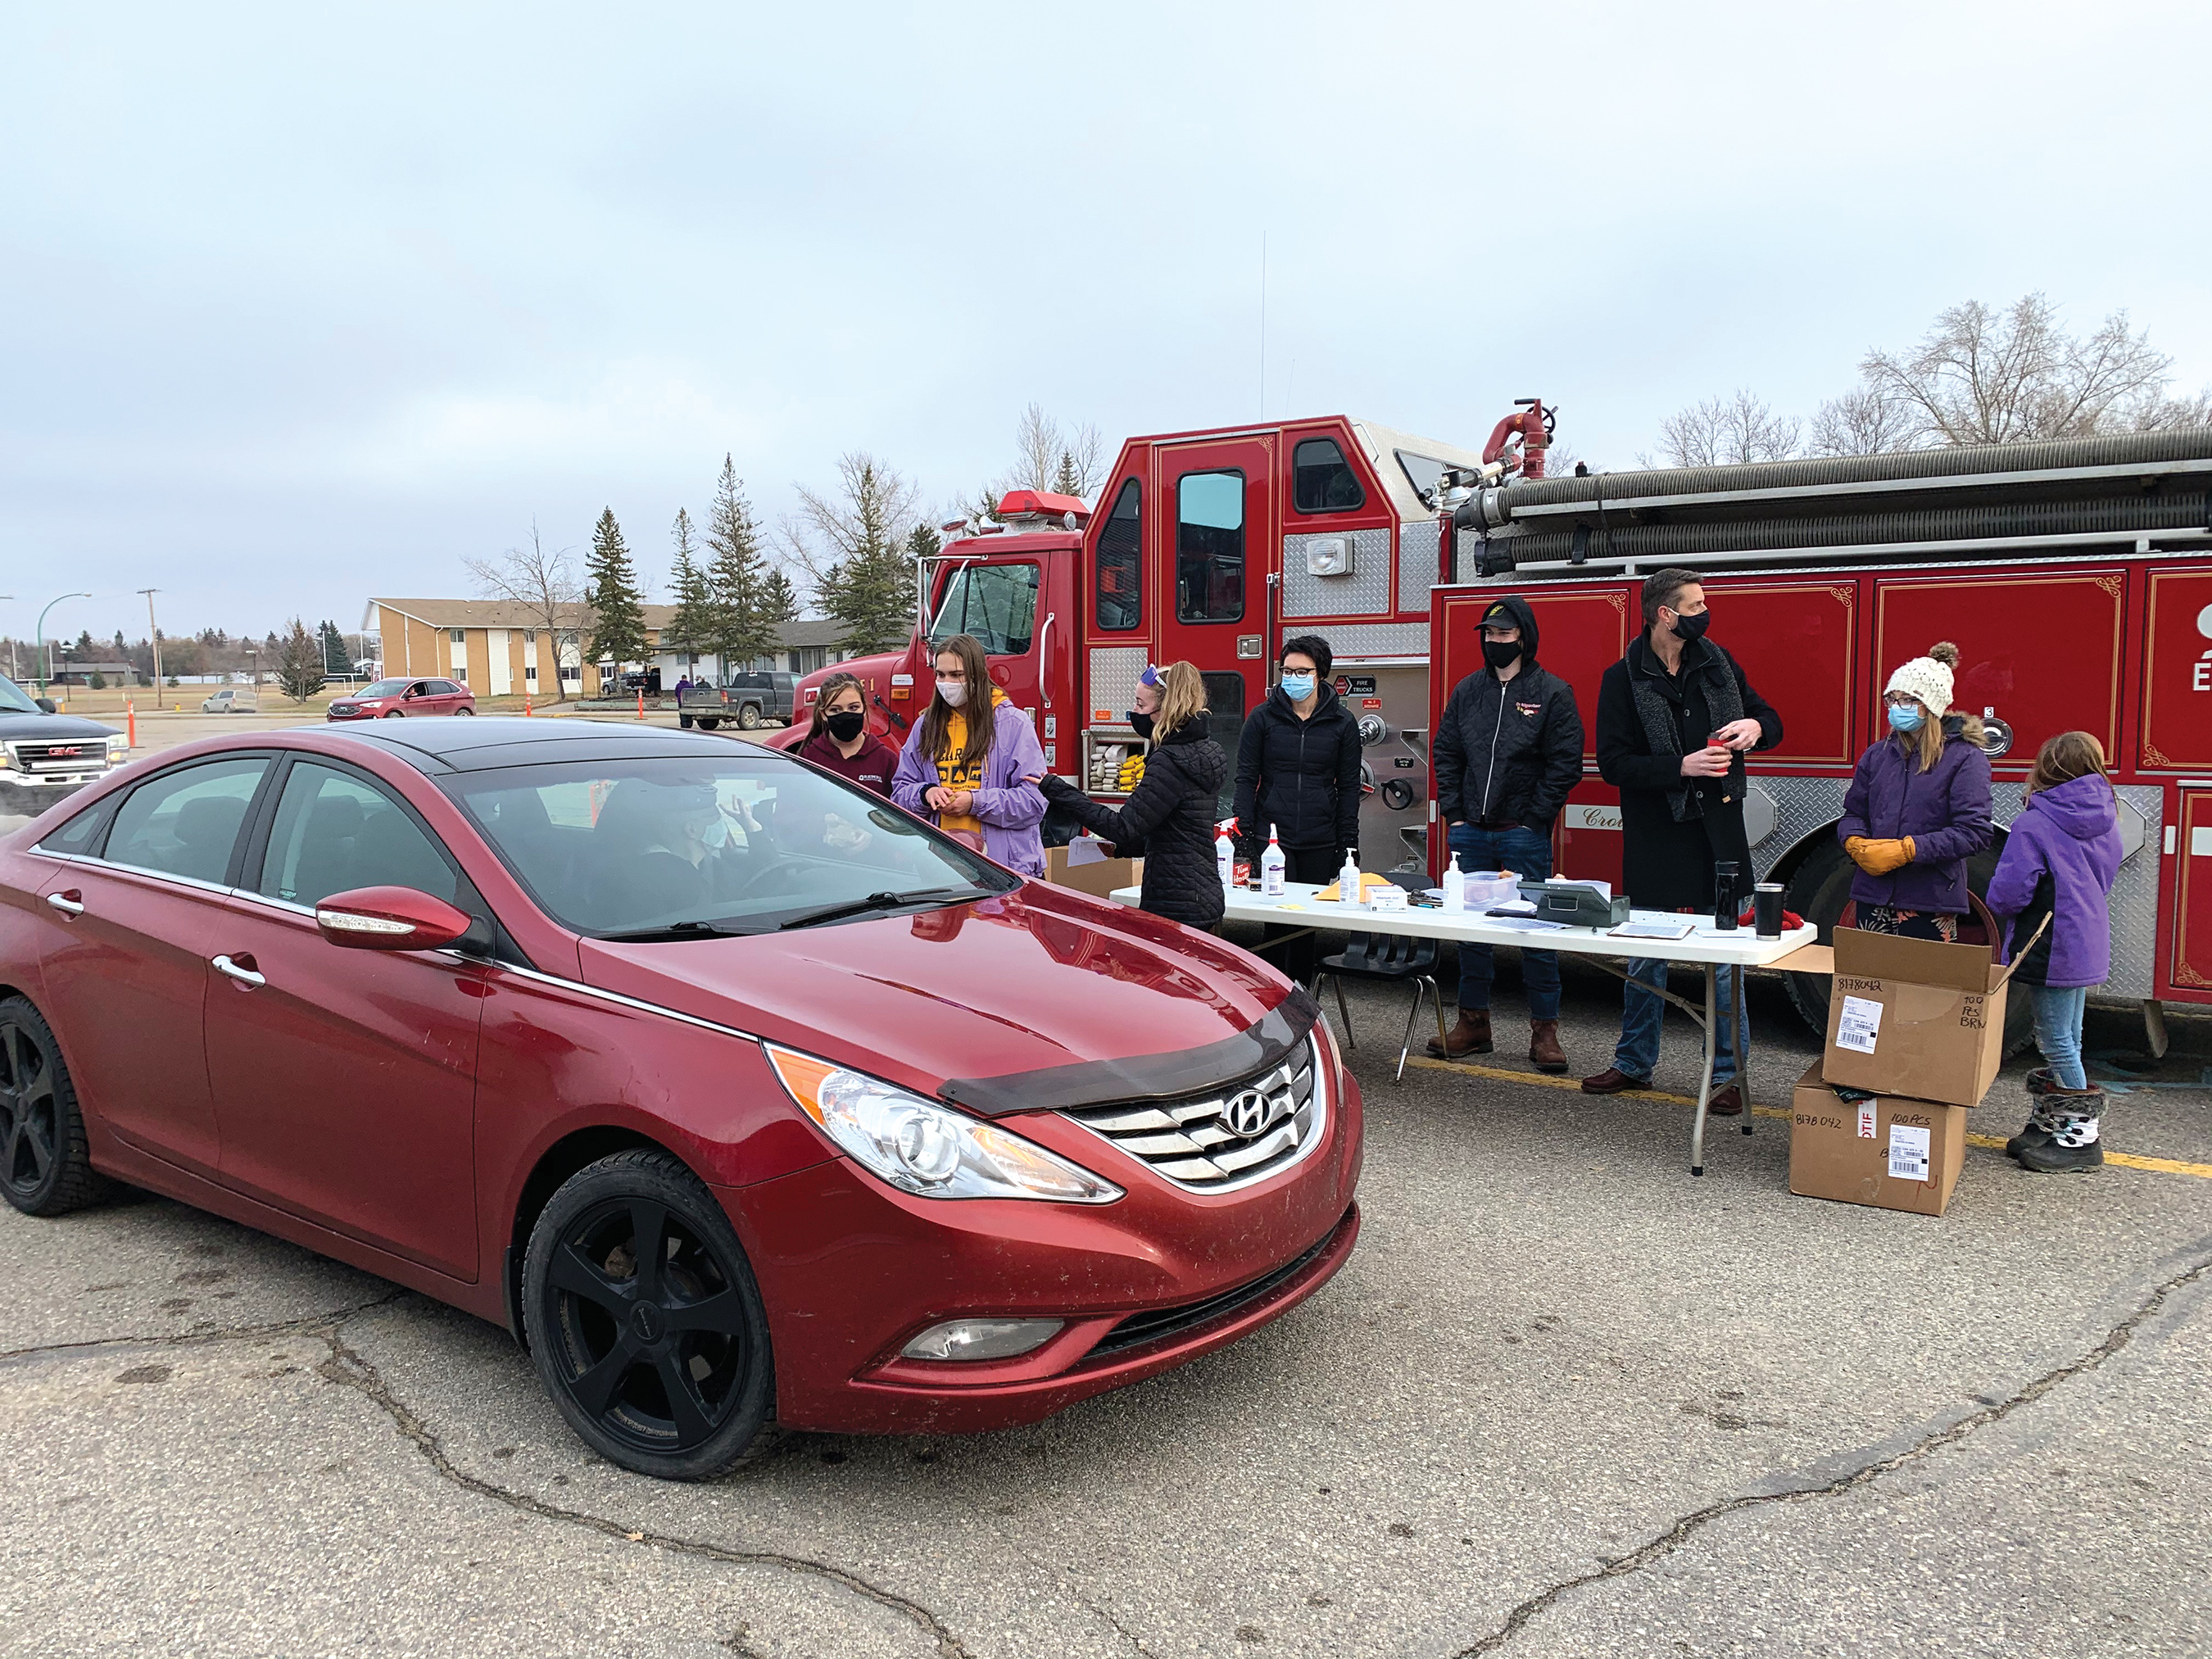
point(153, 638)
point(39, 649)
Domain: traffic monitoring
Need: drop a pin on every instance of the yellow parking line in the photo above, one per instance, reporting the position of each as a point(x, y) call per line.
point(2126, 1160)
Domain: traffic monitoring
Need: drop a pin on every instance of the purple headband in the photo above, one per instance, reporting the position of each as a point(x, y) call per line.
point(1150, 677)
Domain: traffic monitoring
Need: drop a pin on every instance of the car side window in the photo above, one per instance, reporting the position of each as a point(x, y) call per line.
point(335, 832)
point(443, 688)
point(186, 823)
point(78, 835)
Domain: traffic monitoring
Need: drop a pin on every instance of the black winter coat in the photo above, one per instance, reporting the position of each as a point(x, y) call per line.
point(1168, 821)
point(1507, 751)
point(1667, 864)
point(1300, 775)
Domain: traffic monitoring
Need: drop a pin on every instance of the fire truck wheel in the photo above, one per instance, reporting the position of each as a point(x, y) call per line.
point(1819, 891)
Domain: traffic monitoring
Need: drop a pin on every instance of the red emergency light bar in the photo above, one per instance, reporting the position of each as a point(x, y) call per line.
point(1041, 504)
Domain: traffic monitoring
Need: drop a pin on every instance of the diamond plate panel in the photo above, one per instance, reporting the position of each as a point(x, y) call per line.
point(1801, 806)
point(1366, 592)
point(1417, 563)
point(1114, 670)
point(1361, 639)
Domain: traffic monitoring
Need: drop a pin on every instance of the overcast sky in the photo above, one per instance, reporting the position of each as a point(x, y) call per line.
point(299, 304)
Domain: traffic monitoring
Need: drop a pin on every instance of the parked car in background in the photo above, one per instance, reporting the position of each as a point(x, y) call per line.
point(642, 1074)
point(391, 699)
point(232, 699)
point(647, 680)
point(751, 700)
point(44, 755)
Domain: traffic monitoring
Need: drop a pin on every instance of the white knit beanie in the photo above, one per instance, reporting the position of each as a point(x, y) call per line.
point(1929, 677)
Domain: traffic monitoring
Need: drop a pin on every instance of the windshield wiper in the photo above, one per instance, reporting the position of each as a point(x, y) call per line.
point(883, 902)
point(678, 930)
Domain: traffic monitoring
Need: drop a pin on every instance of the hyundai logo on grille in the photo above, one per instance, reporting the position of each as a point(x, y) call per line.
point(1249, 1112)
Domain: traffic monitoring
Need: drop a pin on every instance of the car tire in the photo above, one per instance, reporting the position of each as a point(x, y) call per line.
point(1819, 891)
point(614, 1353)
point(464, 709)
point(749, 717)
point(46, 1167)
point(712, 725)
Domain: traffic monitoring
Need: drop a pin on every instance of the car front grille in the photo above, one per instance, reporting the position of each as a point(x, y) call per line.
point(1228, 1138)
point(1158, 1324)
point(345, 708)
point(86, 756)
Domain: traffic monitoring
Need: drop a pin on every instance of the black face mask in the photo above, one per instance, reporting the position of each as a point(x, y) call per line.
point(846, 726)
point(1141, 724)
point(1501, 653)
point(1692, 628)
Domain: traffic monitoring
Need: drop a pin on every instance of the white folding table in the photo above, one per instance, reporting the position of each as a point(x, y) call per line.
point(1734, 950)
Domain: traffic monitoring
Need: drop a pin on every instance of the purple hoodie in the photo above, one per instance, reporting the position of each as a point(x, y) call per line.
point(1945, 811)
point(1009, 806)
point(2060, 858)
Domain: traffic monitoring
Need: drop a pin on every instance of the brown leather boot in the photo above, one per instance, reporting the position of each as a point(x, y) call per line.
point(1470, 1036)
point(1544, 1051)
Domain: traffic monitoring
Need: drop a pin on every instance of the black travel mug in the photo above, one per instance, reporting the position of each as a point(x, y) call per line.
point(1724, 911)
point(1767, 909)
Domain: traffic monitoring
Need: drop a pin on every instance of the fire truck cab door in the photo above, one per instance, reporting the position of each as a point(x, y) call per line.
point(1214, 514)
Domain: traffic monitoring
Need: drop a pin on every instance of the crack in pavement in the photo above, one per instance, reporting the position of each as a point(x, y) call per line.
point(1683, 1529)
point(349, 1369)
point(315, 1322)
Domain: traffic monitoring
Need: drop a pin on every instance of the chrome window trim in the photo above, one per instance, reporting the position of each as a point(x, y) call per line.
point(635, 1003)
point(1323, 1102)
point(168, 876)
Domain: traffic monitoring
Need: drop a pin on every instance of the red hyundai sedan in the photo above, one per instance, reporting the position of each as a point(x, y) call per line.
point(737, 1094)
point(391, 700)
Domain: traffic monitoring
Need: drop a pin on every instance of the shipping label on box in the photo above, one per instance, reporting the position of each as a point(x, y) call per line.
point(1890, 1152)
point(1913, 1016)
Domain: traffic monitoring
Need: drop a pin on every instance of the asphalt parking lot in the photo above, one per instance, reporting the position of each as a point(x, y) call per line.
point(1563, 1400)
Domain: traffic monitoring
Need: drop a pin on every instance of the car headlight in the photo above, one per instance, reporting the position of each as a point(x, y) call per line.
point(921, 1147)
point(119, 749)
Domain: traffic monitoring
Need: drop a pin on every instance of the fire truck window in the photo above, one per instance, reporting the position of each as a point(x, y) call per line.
point(1120, 605)
point(1322, 480)
point(996, 603)
point(1209, 547)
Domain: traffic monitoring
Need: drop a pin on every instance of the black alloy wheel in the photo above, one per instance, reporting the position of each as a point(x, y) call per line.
point(644, 1320)
point(44, 1168)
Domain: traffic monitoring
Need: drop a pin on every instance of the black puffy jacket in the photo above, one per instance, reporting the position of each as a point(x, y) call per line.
point(1168, 821)
point(1507, 751)
point(1302, 776)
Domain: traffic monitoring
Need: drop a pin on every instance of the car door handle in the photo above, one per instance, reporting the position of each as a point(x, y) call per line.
point(242, 974)
point(67, 902)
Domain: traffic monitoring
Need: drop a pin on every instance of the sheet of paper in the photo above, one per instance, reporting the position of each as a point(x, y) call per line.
point(1526, 924)
point(1085, 849)
point(1908, 1152)
point(1652, 930)
point(1604, 889)
point(1860, 1026)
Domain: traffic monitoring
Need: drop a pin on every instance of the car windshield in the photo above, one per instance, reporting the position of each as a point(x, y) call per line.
point(13, 700)
point(689, 849)
point(383, 688)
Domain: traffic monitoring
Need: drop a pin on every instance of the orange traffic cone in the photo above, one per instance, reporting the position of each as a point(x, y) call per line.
point(640, 703)
point(526, 703)
point(131, 709)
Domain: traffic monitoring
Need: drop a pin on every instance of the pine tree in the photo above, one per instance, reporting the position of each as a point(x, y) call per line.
point(778, 598)
point(865, 576)
point(336, 658)
point(617, 609)
point(300, 663)
point(692, 628)
point(737, 580)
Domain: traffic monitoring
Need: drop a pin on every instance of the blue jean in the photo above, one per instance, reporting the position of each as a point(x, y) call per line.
point(1641, 1010)
point(1526, 853)
point(2058, 1032)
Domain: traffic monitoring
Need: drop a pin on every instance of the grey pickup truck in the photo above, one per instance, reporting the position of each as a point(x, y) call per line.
point(750, 701)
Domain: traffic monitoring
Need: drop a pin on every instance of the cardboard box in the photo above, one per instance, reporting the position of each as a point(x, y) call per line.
point(1099, 877)
point(1892, 1152)
point(1911, 1016)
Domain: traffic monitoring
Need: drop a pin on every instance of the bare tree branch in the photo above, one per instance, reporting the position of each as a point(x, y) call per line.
point(1721, 431)
point(1861, 423)
point(540, 583)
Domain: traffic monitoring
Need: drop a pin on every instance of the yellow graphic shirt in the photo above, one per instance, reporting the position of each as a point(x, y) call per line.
point(954, 775)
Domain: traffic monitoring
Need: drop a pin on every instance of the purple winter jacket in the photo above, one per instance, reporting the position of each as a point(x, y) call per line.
point(1945, 810)
point(2061, 856)
point(1009, 808)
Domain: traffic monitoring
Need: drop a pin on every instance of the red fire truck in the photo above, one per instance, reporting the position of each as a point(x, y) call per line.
point(2075, 576)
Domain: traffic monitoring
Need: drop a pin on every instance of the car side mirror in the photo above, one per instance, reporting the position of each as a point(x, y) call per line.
point(390, 918)
point(48, 704)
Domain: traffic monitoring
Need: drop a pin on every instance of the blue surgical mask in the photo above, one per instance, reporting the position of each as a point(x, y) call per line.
point(1298, 686)
point(1904, 718)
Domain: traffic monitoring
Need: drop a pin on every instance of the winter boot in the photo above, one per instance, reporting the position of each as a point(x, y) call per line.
point(1470, 1036)
point(1544, 1051)
point(2075, 1144)
point(2042, 1125)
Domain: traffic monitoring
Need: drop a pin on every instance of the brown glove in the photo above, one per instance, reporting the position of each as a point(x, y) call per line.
point(1879, 858)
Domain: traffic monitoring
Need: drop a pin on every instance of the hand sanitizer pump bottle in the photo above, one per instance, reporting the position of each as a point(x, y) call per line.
point(1271, 867)
point(1347, 881)
point(1454, 887)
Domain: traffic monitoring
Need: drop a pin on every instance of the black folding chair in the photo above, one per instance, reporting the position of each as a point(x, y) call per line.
point(1385, 957)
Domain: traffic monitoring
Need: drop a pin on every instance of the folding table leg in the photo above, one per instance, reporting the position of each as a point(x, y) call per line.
point(1705, 1082)
point(1739, 1025)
